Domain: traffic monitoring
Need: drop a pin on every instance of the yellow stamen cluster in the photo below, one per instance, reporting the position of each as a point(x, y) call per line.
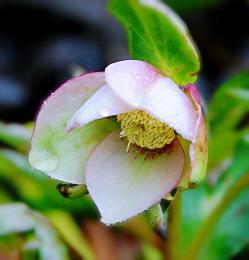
point(145, 131)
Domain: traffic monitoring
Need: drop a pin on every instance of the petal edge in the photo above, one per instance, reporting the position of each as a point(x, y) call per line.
point(124, 184)
point(198, 150)
point(59, 154)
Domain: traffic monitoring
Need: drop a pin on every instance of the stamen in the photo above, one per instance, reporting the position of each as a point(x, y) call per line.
point(128, 146)
point(145, 131)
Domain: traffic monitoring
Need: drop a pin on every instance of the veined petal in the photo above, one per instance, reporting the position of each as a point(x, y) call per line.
point(102, 104)
point(198, 150)
point(123, 184)
point(62, 155)
point(139, 85)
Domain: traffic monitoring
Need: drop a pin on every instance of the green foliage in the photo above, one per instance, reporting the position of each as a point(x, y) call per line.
point(18, 218)
point(228, 117)
point(28, 185)
point(16, 136)
point(71, 233)
point(18, 181)
point(150, 252)
point(157, 35)
point(215, 216)
point(217, 226)
point(230, 103)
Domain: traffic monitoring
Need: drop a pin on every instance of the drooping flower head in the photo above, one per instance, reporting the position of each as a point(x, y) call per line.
point(129, 133)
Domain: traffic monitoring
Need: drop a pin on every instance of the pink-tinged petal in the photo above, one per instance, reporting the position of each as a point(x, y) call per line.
point(103, 103)
point(60, 154)
point(184, 183)
point(168, 103)
point(198, 150)
point(131, 79)
point(123, 184)
point(140, 85)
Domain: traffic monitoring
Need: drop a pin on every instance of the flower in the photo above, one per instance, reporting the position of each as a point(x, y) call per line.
point(129, 133)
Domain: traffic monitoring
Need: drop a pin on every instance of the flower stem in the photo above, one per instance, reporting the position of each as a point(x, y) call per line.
point(202, 235)
point(156, 218)
point(174, 228)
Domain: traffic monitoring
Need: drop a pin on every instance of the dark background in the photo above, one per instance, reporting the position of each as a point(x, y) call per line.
point(43, 41)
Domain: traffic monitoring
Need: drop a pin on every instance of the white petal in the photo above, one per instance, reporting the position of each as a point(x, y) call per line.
point(131, 79)
point(140, 85)
point(168, 103)
point(198, 150)
point(123, 184)
point(59, 154)
point(102, 104)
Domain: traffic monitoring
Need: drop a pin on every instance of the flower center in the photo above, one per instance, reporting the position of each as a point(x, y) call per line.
point(145, 131)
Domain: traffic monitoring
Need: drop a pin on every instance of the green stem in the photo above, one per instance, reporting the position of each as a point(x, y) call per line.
point(202, 235)
point(174, 228)
point(156, 218)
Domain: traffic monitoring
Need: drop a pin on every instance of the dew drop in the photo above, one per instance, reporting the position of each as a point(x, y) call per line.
point(46, 160)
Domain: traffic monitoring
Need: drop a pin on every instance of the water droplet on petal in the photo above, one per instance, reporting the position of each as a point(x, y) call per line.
point(45, 160)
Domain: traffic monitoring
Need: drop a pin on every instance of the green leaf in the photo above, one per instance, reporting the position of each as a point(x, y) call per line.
point(221, 147)
point(215, 216)
point(71, 233)
point(4, 197)
point(28, 184)
point(228, 117)
point(215, 219)
point(157, 35)
point(17, 217)
point(16, 136)
point(226, 109)
point(150, 252)
point(239, 94)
